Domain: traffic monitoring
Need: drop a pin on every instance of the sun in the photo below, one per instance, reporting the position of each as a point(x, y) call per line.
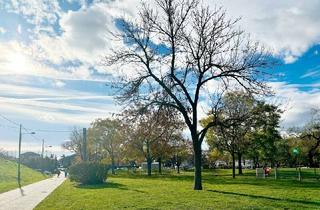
point(17, 63)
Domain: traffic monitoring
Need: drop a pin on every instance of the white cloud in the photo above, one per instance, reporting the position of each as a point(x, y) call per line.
point(49, 105)
point(289, 27)
point(19, 29)
point(313, 72)
point(59, 84)
point(39, 13)
point(20, 59)
point(290, 59)
point(86, 29)
point(2, 30)
point(296, 103)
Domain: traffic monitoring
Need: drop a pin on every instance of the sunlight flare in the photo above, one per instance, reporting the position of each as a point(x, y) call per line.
point(18, 63)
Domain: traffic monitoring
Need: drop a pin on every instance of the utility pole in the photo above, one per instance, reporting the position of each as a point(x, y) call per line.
point(19, 157)
point(42, 156)
point(42, 150)
point(85, 158)
point(19, 154)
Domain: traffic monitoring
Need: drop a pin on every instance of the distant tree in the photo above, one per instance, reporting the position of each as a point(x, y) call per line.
point(35, 161)
point(215, 155)
point(67, 161)
point(176, 50)
point(310, 137)
point(236, 118)
point(152, 129)
point(181, 150)
point(75, 144)
point(4, 154)
point(284, 153)
point(265, 136)
point(106, 135)
point(171, 144)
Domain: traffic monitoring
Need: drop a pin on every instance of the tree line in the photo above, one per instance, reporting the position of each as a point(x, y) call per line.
point(135, 136)
point(248, 129)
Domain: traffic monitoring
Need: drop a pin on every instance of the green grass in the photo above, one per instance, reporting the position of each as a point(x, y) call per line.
point(175, 192)
point(8, 175)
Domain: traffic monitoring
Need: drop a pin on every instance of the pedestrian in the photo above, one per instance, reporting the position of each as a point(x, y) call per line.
point(65, 172)
point(58, 172)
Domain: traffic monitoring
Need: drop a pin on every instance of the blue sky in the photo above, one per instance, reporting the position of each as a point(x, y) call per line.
point(51, 77)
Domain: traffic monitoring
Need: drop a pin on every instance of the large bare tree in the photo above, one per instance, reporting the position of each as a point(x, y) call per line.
point(177, 50)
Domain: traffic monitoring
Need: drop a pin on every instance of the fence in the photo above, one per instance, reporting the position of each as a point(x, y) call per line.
point(300, 173)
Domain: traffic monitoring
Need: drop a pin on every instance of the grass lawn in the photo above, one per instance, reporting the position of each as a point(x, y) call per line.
point(125, 191)
point(8, 175)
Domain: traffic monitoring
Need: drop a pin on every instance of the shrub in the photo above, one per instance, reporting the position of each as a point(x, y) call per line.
point(88, 172)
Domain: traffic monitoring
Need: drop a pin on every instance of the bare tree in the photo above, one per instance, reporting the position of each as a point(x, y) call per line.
point(197, 47)
point(75, 143)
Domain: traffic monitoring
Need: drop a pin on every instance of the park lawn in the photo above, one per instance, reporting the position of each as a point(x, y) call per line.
point(8, 175)
point(175, 192)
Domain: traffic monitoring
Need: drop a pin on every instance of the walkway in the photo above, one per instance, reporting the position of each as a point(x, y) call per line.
point(29, 196)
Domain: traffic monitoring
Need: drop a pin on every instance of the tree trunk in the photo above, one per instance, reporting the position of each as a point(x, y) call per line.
point(310, 159)
point(160, 163)
point(256, 162)
point(197, 165)
point(112, 165)
point(233, 165)
point(149, 159)
point(240, 163)
point(149, 163)
point(177, 163)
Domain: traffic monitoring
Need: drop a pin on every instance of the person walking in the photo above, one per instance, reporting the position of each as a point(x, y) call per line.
point(58, 172)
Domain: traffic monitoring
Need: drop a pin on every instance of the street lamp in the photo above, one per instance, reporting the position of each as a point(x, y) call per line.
point(19, 155)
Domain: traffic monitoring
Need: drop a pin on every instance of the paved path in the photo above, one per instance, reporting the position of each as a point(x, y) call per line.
point(29, 196)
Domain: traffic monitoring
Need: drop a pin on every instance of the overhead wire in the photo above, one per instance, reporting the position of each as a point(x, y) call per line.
point(31, 132)
point(18, 125)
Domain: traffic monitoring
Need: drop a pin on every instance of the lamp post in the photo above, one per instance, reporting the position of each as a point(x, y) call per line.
point(19, 154)
point(43, 159)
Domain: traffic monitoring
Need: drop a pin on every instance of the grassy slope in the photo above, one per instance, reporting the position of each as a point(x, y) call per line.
point(8, 175)
point(175, 192)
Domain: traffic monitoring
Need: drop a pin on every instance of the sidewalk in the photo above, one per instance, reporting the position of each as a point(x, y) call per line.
point(29, 196)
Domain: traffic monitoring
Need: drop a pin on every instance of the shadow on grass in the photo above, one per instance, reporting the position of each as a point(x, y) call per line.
point(165, 176)
point(270, 183)
point(102, 186)
point(268, 198)
point(107, 185)
point(226, 179)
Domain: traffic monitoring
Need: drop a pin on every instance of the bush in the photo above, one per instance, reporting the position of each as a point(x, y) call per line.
point(88, 173)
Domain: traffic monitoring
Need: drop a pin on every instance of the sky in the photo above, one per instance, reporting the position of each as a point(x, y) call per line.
point(52, 77)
